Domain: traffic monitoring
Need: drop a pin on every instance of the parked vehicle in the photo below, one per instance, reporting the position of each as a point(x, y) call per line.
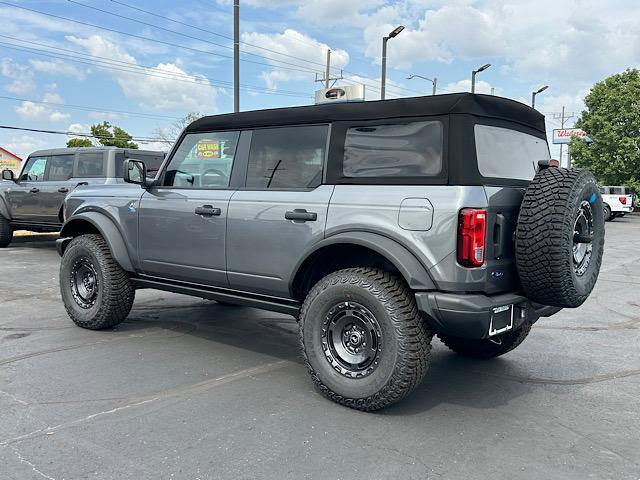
point(33, 201)
point(376, 224)
point(617, 201)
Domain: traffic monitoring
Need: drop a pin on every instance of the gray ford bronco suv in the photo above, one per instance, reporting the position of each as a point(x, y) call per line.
point(33, 201)
point(375, 224)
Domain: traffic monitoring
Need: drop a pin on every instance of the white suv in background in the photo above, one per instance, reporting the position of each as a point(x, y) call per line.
point(617, 201)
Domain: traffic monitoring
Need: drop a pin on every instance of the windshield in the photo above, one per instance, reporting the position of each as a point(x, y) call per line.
point(506, 153)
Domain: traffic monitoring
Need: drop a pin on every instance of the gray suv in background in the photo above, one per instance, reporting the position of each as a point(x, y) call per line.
point(375, 224)
point(33, 200)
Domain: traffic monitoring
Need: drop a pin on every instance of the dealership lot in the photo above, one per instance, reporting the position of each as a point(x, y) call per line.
point(187, 388)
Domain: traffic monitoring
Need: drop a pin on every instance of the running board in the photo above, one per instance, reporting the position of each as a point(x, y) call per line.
point(266, 302)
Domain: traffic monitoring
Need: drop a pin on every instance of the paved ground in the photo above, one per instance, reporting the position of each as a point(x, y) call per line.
point(189, 389)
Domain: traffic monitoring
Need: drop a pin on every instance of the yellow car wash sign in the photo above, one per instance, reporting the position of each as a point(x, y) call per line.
point(208, 149)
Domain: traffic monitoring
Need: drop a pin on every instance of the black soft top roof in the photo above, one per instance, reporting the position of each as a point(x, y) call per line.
point(455, 103)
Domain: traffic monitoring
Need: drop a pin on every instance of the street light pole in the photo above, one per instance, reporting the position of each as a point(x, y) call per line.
point(383, 76)
point(533, 95)
point(236, 55)
point(434, 82)
point(474, 73)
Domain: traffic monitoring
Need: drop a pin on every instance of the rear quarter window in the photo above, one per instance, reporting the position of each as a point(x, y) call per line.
point(506, 153)
point(91, 164)
point(394, 150)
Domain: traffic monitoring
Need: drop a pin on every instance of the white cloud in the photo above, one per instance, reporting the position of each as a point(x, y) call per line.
point(33, 112)
point(465, 86)
point(20, 77)
point(58, 68)
point(164, 87)
point(23, 145)
point(296, 44)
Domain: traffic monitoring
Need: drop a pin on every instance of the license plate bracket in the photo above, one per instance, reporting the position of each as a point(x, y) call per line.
point(501, 319)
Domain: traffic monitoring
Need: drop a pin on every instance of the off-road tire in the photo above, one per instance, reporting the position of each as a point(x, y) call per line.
point(6, 232)
point(486, 349)
point(404, 359)
point(115, 293)
point(608, 215)
point(545, 237)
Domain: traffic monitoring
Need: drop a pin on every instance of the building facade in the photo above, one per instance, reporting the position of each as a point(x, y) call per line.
point(9, 161)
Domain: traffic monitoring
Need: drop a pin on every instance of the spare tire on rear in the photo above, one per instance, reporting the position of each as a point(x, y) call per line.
point(560, 237)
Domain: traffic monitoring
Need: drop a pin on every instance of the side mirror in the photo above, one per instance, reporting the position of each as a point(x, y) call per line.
point(8, 175)
point(135, 171)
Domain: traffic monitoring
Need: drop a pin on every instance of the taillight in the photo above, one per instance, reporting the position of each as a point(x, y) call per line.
point(623, 200)
point(472, 227)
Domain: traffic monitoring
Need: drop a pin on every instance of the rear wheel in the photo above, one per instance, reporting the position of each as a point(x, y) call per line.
point(487, 348)
point(363, 340)
point(97, 293)
point(6, 232)
point(608, 216)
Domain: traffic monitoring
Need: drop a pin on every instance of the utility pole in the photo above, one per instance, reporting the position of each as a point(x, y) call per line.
point(563, 117)
point(327, 73)
point(236, 55)
point(328, 70)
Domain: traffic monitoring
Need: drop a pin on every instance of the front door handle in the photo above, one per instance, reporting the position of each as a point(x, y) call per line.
point(301, 215)
point(34, 190)
point(208, 211)
point(63, 190)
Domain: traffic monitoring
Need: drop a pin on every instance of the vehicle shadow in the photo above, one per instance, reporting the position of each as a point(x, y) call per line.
point(451, 379)
point(46, 241)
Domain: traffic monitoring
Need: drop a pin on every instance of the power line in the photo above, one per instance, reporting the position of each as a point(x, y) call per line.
point(129, 67)
point(141, 37)
point(220, 34)
point(80, 134)
point(175, 32)
point(91, 109)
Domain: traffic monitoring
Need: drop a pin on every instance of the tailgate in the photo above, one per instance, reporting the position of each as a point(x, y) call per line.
point(502, 217)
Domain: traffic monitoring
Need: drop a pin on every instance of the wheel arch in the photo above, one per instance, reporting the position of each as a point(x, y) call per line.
point(95, 222)
point(350, 249)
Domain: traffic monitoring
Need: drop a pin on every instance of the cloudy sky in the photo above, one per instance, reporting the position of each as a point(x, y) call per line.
point(144, 63)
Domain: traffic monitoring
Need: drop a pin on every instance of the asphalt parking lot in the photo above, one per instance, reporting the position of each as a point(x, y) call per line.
point(189, 389)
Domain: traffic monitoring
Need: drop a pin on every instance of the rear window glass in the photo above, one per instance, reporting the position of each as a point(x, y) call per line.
point(394, 150)
point(506, 153)
point(153, 162)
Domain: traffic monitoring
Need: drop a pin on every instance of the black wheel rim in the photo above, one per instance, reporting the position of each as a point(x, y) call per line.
point(351, 339)
point(84, 283)
point(583, 238)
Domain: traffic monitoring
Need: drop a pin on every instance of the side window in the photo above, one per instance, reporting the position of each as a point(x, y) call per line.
point(394, 150)
point(203, 160)
point(287, 157)
point(34, 171)
point(60, 167)
point(91, 164)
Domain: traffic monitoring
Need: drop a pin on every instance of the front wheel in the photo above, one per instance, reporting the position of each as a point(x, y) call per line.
point(97, 293)
point(487, 348)
point(6, 232)
point(362, 337)
point(608, 215)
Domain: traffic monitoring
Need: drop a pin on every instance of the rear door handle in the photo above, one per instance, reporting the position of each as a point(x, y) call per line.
point(34, 190)
point(63, 190)
point(301, 215)
point(208, 211)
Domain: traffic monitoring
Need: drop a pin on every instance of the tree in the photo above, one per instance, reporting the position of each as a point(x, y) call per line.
point(79, 142)
point(112, 136)
point(171, 133)
point(612, 121)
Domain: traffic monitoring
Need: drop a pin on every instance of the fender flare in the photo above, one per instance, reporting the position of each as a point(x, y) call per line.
point(412, 270)
point(109, 232)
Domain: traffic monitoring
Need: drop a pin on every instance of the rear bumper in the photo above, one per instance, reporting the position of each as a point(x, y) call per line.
point(470, 315)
